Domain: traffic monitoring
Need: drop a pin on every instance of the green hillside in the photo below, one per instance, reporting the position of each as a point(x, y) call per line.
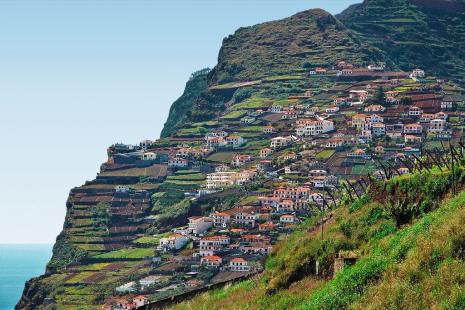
point(181, 108)
point(403, 244)
point(428, 34)
point(307, 39)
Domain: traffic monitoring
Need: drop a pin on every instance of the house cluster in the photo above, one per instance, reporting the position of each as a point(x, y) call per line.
point(126, 303)
point(295, 154)
point(221, 139)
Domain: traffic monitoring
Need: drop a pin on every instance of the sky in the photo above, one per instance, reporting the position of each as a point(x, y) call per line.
point(77, 76)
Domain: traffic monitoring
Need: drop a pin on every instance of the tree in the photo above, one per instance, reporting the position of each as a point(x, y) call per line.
point(379, 96)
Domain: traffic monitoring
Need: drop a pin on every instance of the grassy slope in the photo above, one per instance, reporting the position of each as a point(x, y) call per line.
point(433, 39)
point(410, 256)
point(282, 47)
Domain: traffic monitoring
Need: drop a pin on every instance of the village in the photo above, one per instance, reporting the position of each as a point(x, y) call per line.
point(301, 154)
point(247, 179)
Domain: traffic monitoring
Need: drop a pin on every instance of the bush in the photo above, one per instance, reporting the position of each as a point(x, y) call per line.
point(242, 93)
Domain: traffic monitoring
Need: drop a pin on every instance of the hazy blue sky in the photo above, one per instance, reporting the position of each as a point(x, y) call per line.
point(77, 76)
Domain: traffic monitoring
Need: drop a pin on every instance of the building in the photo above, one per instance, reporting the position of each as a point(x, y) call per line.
point(220, 179)
point(359, 153)
point(234, 141)
point(315, 128)
point(212, 245)
point(268, 129)
point(211, 261)
point(240, 160)
point(245, 218)
point(415, 111)
point(199, 225)
point(288, 219)
point(149, 156)
point(279, 142)
point(244, 177)
point(437, 125)
point(239, 264)
point(276, 109)
point(378, 129)
point(332, 109)
point(267, 226)
point(285, 206)
point(265, 153)
point(359, 121)
point(220, 219)
point(417, 73)
point(215, 142)
point(173, 242)
point(450, 102)
point(177, 162)
point(410, 139)
point(145, 144)
point(374, 108)
point(413, 128)
point(140, 300)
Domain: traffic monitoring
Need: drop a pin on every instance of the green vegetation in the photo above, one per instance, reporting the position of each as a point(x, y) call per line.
point(126, 254)
point(412, 35)
point(325, 154)
point(402, 259)
point(194, 87)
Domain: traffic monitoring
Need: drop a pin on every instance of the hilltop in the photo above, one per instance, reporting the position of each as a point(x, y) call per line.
point(425, 33)
point(304, 120)
point(311, 38)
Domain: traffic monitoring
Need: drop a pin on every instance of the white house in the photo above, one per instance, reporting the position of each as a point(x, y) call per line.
point(220, 219)
point(315, 128)
point(417, 73)
point(413, 128)
point(145, 144)
point(199, 224)
point(178, 162)
point(220, 179)
point(437, 125)
point(415, 111)
point(173, 242)
point(276, 109)
point(288, 219)
point(211, 261)
point(234, 141)
point(149, 156)
point(214, 244)
point(280, 142)
point(239, 264)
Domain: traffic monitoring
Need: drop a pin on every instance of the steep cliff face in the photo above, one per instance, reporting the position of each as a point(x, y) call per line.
point(284, 46)
point(181, 109)
point(427, 33)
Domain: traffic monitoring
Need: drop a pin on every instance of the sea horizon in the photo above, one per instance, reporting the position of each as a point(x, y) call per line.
point(18, 263)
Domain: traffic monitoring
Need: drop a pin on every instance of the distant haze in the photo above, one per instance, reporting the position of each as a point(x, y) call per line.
point(77, 76)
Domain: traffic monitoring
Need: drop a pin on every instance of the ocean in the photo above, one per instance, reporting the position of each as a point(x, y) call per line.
point(19, 263)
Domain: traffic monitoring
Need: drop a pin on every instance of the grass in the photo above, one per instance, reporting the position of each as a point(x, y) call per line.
point(251, 103)
point(325, 154)
point(222, 157)
point(234, 115)
point(187, 177)
point(150, 240)
point(399, 266)
point(283, 78)
point(123, 254)
point(234, 85)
